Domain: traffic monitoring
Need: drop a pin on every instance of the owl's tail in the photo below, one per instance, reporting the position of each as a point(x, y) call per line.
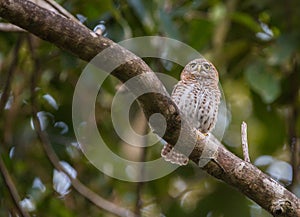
point(169, 154)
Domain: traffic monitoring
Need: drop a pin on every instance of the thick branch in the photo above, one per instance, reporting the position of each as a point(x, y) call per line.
point(84, 44)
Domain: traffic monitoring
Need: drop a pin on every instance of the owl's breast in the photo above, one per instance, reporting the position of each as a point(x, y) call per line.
point(197, 103)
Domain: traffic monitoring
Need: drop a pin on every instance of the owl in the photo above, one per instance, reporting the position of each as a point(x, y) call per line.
point(197, 97)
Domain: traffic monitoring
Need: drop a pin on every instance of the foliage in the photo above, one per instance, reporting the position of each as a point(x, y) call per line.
point(253, 43)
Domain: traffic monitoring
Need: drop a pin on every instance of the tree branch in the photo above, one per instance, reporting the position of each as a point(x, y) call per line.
point(143, 154)
point(77, 185)
point(292, 117)
point(12, 188)
point(245, 142)
point(84, 44)
point(8, 27)
point(53, 158)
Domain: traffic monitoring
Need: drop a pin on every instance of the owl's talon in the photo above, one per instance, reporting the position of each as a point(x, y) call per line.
point(202, 136)
point(172, 156)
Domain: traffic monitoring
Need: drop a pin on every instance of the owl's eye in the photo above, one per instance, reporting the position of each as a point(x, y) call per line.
point(193, 65)
point(206, 66)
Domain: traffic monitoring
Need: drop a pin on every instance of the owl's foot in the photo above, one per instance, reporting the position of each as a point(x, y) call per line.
point(174, 157)
point(201, 136)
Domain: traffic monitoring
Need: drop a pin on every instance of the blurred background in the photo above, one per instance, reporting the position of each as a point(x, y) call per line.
point(255, 46)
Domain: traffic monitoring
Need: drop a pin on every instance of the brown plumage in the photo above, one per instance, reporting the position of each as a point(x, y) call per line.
point(197, 97)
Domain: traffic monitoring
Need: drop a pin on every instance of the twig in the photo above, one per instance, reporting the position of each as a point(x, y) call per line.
point(4, 171)
point(53, 158)
point(77, 185)
point(292, 118)
point(139, 202)
point(62, 11)
point(245, 142)
point(12, 188)
point(8, 27)
point(11, 70)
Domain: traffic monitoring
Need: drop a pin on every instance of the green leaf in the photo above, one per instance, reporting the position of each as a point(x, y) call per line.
point(246, 20)
point(263, 82)
point(282, 51)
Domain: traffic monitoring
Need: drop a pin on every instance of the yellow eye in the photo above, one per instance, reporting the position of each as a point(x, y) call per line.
point(193, 65)
point(206, 66)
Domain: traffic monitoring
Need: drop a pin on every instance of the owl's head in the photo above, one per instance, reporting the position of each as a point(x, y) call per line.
point(200, 69)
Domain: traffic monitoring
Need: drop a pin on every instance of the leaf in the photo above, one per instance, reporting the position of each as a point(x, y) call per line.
point(246, 20)
point(283, 49)
point(262, 82)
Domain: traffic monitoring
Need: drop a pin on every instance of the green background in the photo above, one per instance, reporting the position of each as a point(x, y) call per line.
point(254, 44)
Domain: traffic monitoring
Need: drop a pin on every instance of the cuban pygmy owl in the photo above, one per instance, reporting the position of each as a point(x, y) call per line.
point(197, 97)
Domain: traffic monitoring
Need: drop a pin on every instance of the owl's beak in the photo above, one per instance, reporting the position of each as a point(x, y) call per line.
point(199, 68)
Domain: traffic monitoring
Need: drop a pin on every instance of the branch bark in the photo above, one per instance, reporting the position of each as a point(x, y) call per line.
point(85, 44)
point(245, 142)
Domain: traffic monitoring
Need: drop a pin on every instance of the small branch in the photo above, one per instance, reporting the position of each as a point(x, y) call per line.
point(7, 92)
point(12, 188)
point(8, 27)
point(46, 22)
point(245, 142)
point(143, 155)
point(63, 11)
point(4, 171)
point(292, 118)
point(77, 185)
point(53, 158)
point(11, 70)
